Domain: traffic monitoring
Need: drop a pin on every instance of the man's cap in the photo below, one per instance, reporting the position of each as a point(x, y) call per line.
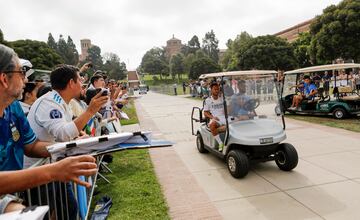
point(27, 66)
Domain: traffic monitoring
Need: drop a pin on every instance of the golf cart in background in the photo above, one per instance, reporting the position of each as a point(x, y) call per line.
point(340, 99)
point(255, 137)
point(143, 89)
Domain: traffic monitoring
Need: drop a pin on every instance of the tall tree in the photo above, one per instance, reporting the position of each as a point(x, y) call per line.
point(177, 65)
point(235, 47)
point(62, 49)
point(95, 57)
point(210, 46)
point(194, 44)
point(1, 37)
point(114, 67)
point(302, 48)
point(72, 54)
point(51, 42)
point(154, 62)
point(201, 66)
point(267, 53)
point(336, 33)
point(38, 52)
point(188, 60)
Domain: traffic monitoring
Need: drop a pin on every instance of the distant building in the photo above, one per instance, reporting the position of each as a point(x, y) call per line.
point(133, 79)
point(85, 45)
point(173, 46)
point(292, 33)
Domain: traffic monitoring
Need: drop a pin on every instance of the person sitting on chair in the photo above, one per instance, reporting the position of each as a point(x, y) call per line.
point(237, 107)
point(214, 110)
point(309, 92)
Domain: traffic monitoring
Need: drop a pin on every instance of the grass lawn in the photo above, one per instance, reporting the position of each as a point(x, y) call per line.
point(149, 80)
point(351, 124)
point(134, 189)
point(131, 112)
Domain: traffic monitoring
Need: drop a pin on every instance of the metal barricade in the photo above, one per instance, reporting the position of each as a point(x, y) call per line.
point(62, 198)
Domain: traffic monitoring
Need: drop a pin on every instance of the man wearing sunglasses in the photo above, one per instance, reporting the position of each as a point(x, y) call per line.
point(17, 138)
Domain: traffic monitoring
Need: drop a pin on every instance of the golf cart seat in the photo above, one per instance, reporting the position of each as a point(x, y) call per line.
point(351, 98)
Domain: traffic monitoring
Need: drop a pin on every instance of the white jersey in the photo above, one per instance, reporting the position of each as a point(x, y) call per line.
point(215, 107)
point(51, 119)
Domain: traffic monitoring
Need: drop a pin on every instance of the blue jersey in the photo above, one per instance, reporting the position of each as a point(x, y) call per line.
point(15, 134)
point(308, 88)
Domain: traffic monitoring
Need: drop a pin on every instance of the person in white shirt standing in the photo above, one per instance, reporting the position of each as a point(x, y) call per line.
point(214, 110)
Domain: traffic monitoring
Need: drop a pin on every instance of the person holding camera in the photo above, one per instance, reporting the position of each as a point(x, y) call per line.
point(51, 117)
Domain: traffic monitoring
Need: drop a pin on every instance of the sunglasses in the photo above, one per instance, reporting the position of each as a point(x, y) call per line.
point(26, 72)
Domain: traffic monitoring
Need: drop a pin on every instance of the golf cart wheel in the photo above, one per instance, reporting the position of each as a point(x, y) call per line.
point(339, 113)
point(200, 144)
point(238, 163)
point(286, 157)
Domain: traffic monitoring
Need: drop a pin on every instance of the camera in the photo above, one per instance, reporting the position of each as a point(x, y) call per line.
point(104, 92)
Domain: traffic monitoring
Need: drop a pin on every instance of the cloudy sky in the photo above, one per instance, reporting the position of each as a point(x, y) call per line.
point(130, 28)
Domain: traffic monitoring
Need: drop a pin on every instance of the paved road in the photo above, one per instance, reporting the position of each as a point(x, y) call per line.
point(325, 185)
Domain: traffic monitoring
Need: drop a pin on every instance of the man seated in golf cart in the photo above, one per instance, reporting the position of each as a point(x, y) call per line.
point(237, 106)
point(310, 90)
point(214, 110)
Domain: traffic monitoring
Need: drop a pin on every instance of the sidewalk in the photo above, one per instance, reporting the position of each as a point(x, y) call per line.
point(325, 185)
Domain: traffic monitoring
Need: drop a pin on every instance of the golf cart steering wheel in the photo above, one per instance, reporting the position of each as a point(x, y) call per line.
point(251, 104)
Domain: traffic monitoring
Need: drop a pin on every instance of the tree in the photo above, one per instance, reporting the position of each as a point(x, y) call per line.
point(267, 53)
point(336, 33)
point(95, 57)
point(39, 53)
point(1, 37)
point(210, 46)
point(235, 49)
point(301, 49)
point(191, 47)
point(72, 54)
point(201, 66)
point(51, 42)
point(114, 67)
point(177, 65)
point(62, 49)
point(188, 60)
point(154, 62)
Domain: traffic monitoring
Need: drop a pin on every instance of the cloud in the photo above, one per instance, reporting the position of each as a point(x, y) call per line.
point(130, 28)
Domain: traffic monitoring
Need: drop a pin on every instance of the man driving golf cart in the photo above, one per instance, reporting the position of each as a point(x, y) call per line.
point(237, 103)
point(310, 91)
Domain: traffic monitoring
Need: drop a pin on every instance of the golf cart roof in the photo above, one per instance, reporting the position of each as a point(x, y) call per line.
point(238, 73)
point(324, 68)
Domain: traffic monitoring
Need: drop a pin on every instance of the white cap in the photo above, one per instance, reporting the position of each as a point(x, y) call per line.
point(27, 65)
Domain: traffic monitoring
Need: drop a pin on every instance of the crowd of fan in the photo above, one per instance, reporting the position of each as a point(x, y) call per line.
point(34, 115)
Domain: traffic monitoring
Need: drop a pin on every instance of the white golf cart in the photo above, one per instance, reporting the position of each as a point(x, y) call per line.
point(255, 126)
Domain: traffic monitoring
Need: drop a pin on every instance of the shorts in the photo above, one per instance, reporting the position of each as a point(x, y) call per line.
point(5, 200)
point(221, 121)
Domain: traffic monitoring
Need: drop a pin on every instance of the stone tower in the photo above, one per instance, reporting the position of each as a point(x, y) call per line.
point(173, 46)
point(85, 45)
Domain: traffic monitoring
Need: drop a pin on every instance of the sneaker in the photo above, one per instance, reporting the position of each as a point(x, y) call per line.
point(298, 109)
point(221, 147)
point(292, 108)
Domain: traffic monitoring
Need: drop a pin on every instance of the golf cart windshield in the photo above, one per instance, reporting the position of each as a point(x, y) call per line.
point(252, 96)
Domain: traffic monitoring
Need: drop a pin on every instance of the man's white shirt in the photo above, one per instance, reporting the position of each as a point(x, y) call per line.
point(216, 108)
point(51, 119)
